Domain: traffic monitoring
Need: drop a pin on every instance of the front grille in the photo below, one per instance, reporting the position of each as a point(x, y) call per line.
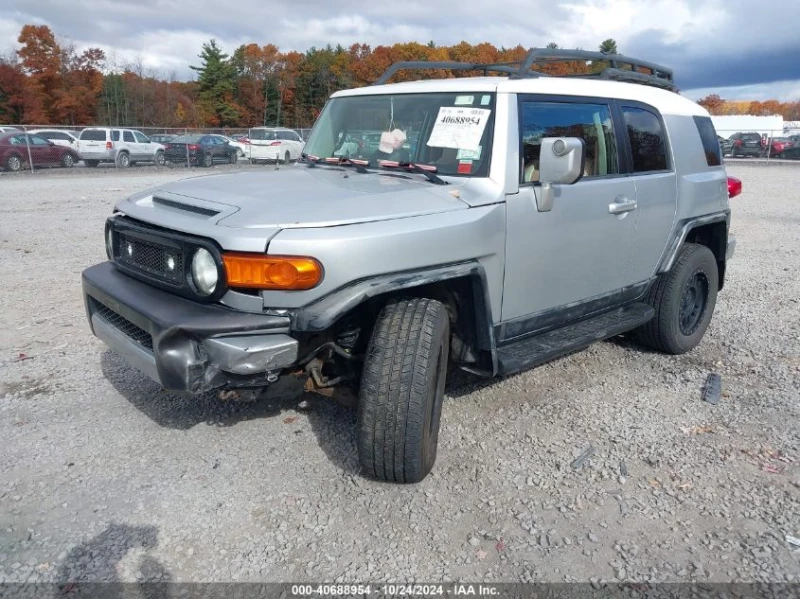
point(121, 323)
point(161, 261)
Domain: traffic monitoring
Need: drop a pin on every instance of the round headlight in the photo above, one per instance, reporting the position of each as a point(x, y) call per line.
point(204, 272)
point(109, 244)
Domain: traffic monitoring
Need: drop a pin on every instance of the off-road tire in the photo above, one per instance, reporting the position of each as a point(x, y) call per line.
point(14, 163)
point(91, 163)
point(123, 160)
point(402, 388)
point(668, 296)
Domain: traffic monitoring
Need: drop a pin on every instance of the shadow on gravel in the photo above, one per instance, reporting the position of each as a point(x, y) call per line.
point(94, 569)
point(333, 425)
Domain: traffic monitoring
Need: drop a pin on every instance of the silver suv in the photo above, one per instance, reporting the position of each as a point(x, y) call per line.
point(123, 147)
point(498, 223)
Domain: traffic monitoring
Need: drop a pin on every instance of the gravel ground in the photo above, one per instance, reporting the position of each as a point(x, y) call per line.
point(103, 476)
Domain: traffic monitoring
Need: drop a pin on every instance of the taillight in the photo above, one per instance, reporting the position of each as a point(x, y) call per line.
point(275, 143)
point(109, 145)
point(194, 147)
point(243, 140)
point(734, 187)
point(737, 142)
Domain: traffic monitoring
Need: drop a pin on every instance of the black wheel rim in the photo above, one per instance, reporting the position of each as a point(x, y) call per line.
point(693, 303)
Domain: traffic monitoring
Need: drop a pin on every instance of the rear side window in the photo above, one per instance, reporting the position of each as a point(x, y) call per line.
point(93, 135)
point(648, 142)
point(115, 135)
point(708, 135)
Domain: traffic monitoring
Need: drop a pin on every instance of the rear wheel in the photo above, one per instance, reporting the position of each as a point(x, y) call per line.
point(287, 158)
point(123, 160)
point(208, 160)
point(684, 300)
point(402, 388)
point(13, 163)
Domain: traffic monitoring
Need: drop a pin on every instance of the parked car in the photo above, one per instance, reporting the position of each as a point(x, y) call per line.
point(792, 152)
point(18, 149)
point(200, 150)
point(8, 129)
point(777, 145)
point(746, 144)
point(726, 145)
point(162, 138)
point(273, 144)
point(60, 137)
point(122, 147)
point(536, 216)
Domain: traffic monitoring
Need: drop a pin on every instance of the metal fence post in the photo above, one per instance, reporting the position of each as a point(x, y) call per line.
point(28, 146)
point(186, 145)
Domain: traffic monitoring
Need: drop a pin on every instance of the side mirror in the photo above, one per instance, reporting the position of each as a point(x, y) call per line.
point(561, 162)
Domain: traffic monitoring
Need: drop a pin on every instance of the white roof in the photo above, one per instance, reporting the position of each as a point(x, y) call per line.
point(666, 102)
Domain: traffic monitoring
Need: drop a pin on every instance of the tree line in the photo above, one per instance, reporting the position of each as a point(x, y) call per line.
point(48, 81)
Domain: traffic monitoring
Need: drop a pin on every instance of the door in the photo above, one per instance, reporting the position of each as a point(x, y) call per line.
point(145, 149)
point(129, 143)
point(42, 152)
point(656, 184)
point(573, 259)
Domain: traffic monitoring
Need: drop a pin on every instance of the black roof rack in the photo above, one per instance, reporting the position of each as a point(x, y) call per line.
point(616, 67)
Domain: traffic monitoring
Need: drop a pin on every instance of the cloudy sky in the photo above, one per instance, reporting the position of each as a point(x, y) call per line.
point(739, 48)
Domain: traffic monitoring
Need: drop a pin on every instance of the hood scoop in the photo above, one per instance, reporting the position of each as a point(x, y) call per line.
point(198, 210)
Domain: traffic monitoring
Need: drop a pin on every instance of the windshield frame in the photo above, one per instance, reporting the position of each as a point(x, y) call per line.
point(484, 167)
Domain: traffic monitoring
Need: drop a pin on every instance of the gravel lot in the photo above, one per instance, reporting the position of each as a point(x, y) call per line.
point(103, 476)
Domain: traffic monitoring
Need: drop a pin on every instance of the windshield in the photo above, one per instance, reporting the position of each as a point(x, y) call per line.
point(451, 131)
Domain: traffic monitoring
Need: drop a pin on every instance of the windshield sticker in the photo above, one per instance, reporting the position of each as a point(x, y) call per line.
point(485, 100)
point(469, 154)
point(464, 167)
point(459, 128)
point(464, 100)
point(391, 141)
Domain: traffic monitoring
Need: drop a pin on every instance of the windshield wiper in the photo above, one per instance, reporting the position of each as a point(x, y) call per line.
point(423, 169)
point(342, 161)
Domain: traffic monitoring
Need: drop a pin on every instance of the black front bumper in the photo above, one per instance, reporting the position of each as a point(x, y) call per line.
point(184, 345)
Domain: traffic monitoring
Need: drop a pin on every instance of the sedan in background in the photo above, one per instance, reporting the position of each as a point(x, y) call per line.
point(162, 138)
point(18, 149)
point(60, 137)
point(234, 143)
point(200, 150)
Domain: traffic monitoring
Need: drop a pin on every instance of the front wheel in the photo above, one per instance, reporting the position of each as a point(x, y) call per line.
point(402, 388)
point(159, 160)
point(287, 158)
point(684, 300)
point(233, 157)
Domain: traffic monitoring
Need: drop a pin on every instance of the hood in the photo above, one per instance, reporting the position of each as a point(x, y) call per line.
point(295, 197)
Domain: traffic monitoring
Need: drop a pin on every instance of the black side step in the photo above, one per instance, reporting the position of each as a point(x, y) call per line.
point(532, 351)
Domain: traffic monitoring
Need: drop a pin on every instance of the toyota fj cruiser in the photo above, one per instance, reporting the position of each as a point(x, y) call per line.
point(502, 221)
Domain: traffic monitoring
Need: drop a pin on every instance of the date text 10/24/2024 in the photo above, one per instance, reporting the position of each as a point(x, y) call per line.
point(394, 590)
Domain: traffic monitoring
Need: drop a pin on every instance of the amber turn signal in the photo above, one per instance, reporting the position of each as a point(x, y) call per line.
point(259, 271)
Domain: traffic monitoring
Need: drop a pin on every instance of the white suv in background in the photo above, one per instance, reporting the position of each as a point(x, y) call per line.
point(273, 144)
point(123, 147)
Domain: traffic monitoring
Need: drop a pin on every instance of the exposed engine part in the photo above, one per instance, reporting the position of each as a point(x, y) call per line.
point(330, 345)
point(240, 395)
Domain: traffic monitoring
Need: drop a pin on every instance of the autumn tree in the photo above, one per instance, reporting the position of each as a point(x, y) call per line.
point(713, 103)
point(216, 80)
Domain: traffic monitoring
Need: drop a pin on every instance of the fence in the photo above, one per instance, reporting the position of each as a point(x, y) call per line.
point(38, 148)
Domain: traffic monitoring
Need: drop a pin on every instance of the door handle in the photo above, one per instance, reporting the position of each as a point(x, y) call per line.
point(622, 206)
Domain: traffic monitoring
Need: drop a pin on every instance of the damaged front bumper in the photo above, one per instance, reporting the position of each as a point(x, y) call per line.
point(181, 344)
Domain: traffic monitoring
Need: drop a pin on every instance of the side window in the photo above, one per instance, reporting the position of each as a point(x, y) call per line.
point(648, 142)
point(141, 137)
point(38, 141)
point(708, 135)
point(127, 136)
point(115, 135)
point(590, 122)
